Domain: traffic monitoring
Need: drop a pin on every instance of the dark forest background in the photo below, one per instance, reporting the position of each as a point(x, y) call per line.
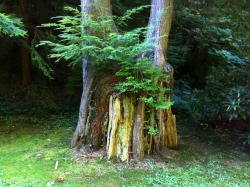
point(209, 49)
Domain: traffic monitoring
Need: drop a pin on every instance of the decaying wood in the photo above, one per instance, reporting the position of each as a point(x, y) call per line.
point(121, 116)
point(118, 121)
point(138, 135)
point(171, 132)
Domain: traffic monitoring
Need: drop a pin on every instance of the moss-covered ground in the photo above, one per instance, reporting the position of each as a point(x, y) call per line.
point(28, 154)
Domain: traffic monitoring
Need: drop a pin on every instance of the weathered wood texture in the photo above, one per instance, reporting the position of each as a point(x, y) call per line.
point(118, 121)
point(119, 134)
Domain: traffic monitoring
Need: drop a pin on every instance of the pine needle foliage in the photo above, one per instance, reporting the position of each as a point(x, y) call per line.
point(39, 61)
point(11, 26)
point(69, 43)
point(122, 20)
point(104, 48)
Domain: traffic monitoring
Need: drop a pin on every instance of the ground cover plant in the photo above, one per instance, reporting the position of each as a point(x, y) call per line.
point(28, 154)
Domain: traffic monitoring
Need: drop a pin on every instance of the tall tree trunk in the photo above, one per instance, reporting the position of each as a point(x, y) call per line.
point(117, 120)
point(159, 28)
point(91, 9)
point(24, 51)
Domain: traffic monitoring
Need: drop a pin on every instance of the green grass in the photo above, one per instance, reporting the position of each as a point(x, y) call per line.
point(28, 154)
point(213, 173)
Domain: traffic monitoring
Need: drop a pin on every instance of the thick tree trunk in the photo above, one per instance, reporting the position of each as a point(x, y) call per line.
point(91, 9)
point(120, 127)
point(117, 120)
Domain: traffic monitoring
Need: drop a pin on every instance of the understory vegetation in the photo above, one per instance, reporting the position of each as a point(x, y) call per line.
point(35, 105)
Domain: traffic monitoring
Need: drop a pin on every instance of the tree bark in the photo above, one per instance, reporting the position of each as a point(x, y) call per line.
point(138, 131)
point(24, 48)
point(82, 129)
point(159, 28)
point(91, 9)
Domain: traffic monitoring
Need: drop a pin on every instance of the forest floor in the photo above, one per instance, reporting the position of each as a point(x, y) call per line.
point(28, 155)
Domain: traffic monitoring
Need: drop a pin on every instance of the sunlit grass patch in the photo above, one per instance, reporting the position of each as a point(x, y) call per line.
point(28, 154)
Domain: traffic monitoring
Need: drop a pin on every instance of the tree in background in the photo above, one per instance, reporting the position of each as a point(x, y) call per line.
point(25, 52)
point(31, 14)
point(214, 58)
